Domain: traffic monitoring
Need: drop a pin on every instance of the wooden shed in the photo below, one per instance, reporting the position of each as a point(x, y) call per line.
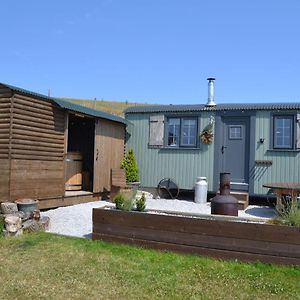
point(45, 141)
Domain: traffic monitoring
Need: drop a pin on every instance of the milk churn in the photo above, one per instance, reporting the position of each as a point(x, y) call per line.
point(201, 190)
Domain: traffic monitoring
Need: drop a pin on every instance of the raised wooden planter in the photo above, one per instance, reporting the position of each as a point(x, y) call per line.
point(216, 238)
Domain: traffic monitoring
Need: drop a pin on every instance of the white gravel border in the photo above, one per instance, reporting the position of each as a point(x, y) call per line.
point(76, 220)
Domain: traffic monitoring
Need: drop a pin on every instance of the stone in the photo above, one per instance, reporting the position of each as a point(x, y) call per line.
point(44, 223)
point(8, 208)
point(12, 223)
point(2, 217)
point(31, 226)
point(10, 234)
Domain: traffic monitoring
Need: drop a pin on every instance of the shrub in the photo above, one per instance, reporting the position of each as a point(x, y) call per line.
point(141, 203)
point(289, 214)
point(119, 200)
point(130, 166)
point(123, 202)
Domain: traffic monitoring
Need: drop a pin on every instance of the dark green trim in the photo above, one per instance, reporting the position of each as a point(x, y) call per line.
point(69, 105)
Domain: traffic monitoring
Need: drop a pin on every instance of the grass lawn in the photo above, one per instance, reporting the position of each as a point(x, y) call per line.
point(42, 265)
point(113, 107)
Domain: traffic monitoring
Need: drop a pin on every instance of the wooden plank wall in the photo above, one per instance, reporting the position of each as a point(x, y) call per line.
point(37, 148)
point(216, 238)
point(109, 144)
point(5, 106)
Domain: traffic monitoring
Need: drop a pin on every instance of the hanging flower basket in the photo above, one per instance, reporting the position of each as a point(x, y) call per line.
point(207, 135)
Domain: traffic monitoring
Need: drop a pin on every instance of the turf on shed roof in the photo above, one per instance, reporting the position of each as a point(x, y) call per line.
point(69, 105)
point(218, 107)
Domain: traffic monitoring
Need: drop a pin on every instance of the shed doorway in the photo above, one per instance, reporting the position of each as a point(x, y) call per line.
point(80, 155)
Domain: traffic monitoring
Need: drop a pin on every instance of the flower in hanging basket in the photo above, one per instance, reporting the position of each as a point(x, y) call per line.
point(207, 135)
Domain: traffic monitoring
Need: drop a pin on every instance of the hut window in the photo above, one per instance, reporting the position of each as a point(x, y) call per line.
point(182, 132)
point(283, 134)
point(173, 132)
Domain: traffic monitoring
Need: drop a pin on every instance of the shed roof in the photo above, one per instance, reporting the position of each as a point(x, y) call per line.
point(218, 107)
point(69, 105)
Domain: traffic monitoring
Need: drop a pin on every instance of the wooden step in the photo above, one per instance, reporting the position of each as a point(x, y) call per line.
point(242, 197)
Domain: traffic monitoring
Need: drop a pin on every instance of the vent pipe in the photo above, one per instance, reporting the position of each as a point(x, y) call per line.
point(211, 92)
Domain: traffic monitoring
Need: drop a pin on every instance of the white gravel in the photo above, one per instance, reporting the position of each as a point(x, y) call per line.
point(76, 220)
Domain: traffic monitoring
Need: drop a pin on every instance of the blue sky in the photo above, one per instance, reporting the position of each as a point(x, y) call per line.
point(154, 51)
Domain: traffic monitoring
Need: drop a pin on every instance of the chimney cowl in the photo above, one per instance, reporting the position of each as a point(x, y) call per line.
point(211, 92)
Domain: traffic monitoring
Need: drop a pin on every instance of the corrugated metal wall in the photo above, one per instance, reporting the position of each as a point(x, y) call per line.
point(183, 165)
point(285, 166)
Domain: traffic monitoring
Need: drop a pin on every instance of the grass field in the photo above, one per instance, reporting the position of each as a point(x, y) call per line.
point(113, 107)
point(45, 266)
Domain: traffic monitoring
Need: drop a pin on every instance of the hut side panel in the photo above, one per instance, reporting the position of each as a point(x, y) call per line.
point(109, 152)
point(285, 164)
point(5, 106)
point(37, 148)
point(182, 165)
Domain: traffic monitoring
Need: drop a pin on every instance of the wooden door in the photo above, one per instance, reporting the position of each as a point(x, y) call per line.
point(108, 153)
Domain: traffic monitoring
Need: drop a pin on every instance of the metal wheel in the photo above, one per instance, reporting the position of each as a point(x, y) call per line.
point(168, 189)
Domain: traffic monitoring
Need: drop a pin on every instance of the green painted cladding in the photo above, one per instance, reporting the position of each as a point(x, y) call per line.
point(182, 165)
point(285, 166)
point(185, 165)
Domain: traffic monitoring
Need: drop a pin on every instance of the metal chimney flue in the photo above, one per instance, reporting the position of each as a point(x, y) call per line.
point(211, 92)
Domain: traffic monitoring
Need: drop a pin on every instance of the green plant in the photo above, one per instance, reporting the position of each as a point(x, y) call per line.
point(123, 202)
point(129, 164)
point(289, 214)
point(1, 228)
point(128, 204)
point(141, 203)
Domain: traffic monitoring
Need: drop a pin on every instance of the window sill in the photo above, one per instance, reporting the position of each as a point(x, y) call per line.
point(283, 150)
point(180, 148)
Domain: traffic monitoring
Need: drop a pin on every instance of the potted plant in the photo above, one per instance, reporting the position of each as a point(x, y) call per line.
point(129, 164)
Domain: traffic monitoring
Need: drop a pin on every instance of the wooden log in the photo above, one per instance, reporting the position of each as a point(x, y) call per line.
point(39, 122)
point(4, 141)
point(36, 153)
point(5, 104)
point(4, 111)
point(54, 118)
point(23, 175)
point(31, 126)
point(4, 135)
point(33, 147)
point(24, 140)
point(34, 157)
point(34, 99)
point(26, 105)
point(36, 132)
point(17, 164)
point(4, 120)
point(5, 115)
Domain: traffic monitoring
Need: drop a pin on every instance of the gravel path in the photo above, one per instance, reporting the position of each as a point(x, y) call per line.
point(76, 220)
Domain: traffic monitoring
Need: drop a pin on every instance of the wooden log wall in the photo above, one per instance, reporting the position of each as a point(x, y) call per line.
point(36, 148)
point(216, 238)
point(5, 119)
